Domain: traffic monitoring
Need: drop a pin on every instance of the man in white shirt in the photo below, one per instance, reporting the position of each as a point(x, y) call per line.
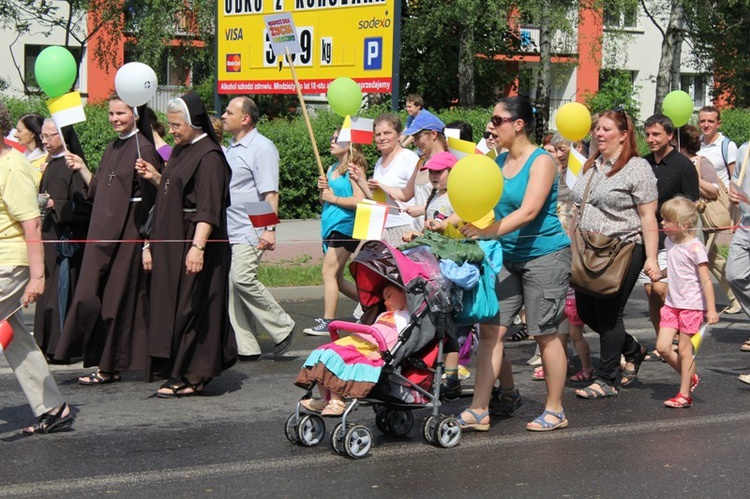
point(722, 152)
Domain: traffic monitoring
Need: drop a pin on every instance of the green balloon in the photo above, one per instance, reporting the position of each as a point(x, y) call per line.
point(55, 70)
point(344, 96)
point(678, 106)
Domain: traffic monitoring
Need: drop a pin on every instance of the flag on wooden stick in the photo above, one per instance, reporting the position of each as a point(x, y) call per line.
point(6, 335)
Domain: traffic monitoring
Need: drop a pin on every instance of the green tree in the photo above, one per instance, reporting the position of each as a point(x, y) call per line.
point(449, 49)
point(617, 92)
point(46, 16)
point(721, 35)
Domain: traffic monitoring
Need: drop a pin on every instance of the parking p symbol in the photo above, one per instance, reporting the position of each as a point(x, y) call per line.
point(373, 53)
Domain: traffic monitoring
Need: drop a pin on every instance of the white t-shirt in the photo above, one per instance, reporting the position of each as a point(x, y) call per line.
point(397, 174)
point(713, 153)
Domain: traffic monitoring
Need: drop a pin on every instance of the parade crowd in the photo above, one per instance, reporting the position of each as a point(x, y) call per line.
point(150, 264)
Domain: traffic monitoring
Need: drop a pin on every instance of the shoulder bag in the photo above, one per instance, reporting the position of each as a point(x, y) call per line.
point(714, 213)
point(599, 263)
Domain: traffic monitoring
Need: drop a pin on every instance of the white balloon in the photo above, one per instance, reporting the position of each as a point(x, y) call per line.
point(135, 83)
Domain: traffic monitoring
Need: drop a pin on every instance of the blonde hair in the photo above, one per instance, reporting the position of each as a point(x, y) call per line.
point(681, 211)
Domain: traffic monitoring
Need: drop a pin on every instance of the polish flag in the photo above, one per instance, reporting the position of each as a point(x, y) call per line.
point(261, 214)
point(356, 130)
point(6, 335)
point(11, 141)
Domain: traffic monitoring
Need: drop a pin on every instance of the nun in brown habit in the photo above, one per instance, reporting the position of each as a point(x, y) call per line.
point(108, 317)
point(190, 339)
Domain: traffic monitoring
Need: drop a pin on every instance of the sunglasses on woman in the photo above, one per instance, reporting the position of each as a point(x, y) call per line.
point(499, 120)
point(487, 135)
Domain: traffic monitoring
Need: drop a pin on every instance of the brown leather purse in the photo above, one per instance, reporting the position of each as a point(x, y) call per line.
point(599, 263)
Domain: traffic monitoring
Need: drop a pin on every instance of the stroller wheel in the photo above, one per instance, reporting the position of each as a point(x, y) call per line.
point(381, 419)
point(290, 428)
point(337, 439)
point(448, 432)
point(357, 441)
point(400, 422)
point(429, 429)
point(311, 430)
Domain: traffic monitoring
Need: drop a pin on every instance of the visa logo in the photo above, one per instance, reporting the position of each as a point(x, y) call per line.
point(233, 34)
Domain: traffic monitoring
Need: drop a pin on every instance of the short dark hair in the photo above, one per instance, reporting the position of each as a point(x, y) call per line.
point(660, 119)
point(466, 131)
point(711, 109)
point(416, 99)
point(391, 119)
point(250, 108)
point(690, 138)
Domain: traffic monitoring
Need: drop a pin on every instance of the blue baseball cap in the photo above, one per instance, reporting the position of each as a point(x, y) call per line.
point(425, 120)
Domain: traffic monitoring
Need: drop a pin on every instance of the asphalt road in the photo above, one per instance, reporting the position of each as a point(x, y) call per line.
point(230, 442)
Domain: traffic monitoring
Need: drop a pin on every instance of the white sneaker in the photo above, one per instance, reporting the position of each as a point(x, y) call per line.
point(735, 308)
point(320, 330)
point(534, 361)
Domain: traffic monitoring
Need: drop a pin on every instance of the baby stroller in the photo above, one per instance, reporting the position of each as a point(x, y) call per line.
point(410, 377)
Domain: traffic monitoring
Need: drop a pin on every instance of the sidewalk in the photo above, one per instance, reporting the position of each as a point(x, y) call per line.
point(295, 239)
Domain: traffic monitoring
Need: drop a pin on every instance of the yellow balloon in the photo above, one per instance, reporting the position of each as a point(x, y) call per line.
point(573, 121)
point(475, 185)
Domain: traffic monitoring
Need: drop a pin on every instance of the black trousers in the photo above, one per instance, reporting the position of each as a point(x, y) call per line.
point(604, 315)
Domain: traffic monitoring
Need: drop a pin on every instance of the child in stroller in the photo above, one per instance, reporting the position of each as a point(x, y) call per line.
point(351, 366)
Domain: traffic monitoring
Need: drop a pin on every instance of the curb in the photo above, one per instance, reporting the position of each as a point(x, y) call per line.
point(297, 293)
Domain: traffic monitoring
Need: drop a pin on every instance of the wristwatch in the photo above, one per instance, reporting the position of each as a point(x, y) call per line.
point(270, 229)
point(200, 247)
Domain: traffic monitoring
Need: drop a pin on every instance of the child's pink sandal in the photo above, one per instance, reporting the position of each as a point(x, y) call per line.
point(679, 401)
point(583, 375)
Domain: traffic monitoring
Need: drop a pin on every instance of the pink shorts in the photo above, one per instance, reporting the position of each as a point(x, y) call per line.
point(683, 320)
point(571, 312)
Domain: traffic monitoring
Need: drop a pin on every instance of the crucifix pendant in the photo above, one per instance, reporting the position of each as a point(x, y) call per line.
point(111, 176)
point(166, 186)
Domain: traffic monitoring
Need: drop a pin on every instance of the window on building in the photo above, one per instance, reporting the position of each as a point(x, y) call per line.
point(623, 17)
point(607, 74)
point(167, 72)
point(30, 53)
point(695, 85)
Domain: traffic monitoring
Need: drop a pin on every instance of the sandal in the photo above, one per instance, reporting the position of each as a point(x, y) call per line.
point(538, 374)
point(51, 423)
point(679, 401)
point(96, 378)
point(630, 375)
point(654, 356)
point(313, 404)
point(505, 404)
point(182, 388)
point(520, 335)
point(583, 375)
point(605, 391)
point(745, 346)
point(476, 425)
point(694, 382)
point(545, 425)
point(334, 408)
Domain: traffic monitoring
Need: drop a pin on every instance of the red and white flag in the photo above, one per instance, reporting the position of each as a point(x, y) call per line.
point(11, 141)
point(261, 214)
point(6, 335)
point(356, 130)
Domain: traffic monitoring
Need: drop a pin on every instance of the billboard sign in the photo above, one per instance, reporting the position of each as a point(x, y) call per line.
point(334, 38)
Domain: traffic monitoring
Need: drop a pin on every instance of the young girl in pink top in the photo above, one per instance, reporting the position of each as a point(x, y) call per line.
point(690, 294)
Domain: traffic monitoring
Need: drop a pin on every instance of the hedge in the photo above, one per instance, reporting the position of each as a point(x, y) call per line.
point(298, 175)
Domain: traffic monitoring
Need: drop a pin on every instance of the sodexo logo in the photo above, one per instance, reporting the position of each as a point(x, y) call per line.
point(374, 23)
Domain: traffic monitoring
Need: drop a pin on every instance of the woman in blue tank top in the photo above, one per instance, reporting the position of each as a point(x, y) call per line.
point(536, 268)
point(339, 195)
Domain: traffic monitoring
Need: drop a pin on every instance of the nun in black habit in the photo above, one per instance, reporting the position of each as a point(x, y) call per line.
point(190, 339)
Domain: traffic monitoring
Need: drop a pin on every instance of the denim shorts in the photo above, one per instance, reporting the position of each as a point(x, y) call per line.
point(540, 286)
